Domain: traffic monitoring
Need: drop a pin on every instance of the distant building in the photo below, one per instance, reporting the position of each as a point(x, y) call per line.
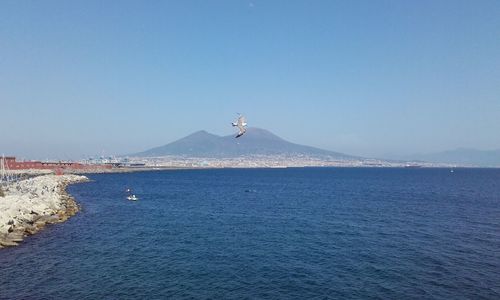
point(11, 163)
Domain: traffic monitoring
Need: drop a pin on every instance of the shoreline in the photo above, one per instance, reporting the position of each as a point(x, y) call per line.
point(30, 204)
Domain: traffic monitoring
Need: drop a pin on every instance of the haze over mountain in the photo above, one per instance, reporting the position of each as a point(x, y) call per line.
point(259, 141)
point(463, 156)
point(256, 141)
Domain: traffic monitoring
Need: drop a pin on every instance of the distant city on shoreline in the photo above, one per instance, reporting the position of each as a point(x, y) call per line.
point(259, 148)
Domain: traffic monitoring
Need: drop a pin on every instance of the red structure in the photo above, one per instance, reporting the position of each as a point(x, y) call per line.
point(11, 163)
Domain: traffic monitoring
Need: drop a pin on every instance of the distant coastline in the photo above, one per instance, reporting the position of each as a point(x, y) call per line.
point(201, 164)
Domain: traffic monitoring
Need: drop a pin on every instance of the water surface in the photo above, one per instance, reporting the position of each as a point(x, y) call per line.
point(269, 233)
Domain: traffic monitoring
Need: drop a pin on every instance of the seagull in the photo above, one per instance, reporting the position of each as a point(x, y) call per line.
point(241, 124)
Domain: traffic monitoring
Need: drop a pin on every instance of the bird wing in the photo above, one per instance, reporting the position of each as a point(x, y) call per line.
point(242, 131)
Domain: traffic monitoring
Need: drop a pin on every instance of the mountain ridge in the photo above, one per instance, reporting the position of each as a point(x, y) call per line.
point(256, 141)
point(462, 156)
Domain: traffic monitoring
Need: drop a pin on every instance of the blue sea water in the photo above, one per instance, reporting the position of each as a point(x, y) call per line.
point(318, 233)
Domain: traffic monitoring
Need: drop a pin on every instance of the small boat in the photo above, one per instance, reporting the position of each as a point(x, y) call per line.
point(132, 198)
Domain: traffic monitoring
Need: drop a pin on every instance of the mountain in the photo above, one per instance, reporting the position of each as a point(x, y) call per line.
point(464, 156)
point(256, 141)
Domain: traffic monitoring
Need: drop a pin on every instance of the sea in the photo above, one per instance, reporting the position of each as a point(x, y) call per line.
point(295, 233)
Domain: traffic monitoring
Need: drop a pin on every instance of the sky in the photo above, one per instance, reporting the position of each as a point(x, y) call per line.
point(371, 78)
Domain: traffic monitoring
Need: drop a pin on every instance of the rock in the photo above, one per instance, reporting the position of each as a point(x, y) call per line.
point(44, 219)
point(53, 219)
point(30, 230)
point(18, 231)
point(6, 243)
point(15, 237)
point(39, 224)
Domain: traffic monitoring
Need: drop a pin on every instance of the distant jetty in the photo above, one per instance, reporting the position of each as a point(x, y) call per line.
point(29, 205)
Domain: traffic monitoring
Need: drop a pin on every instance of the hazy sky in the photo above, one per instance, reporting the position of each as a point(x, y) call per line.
point(362, 77)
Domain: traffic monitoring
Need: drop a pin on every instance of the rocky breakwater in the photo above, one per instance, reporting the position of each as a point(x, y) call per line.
point(28, 205)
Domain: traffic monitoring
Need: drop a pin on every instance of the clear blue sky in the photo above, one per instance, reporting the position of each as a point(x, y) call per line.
point(363, 77)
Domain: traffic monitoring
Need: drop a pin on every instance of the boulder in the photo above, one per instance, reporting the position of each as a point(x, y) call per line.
point(6, 243)
point(30, 230)
point(14, 237)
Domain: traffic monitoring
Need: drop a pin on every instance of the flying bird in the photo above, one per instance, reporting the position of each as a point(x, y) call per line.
point(241, 124)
